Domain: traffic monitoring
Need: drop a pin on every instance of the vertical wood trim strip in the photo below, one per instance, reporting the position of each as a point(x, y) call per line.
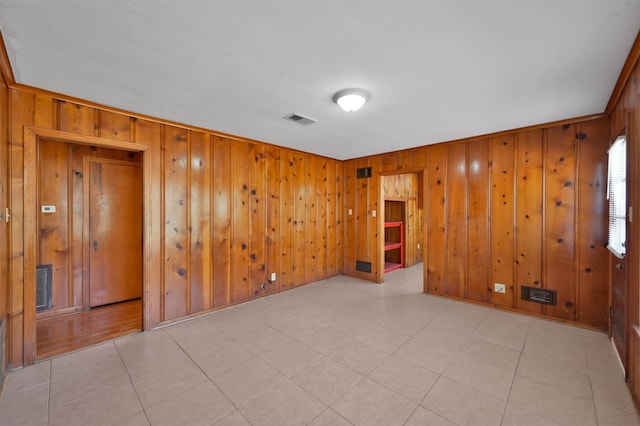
point(188, 202)
point(30, 244)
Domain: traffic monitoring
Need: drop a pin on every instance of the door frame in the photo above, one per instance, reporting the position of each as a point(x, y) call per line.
point(381, 214)
point(32, 135)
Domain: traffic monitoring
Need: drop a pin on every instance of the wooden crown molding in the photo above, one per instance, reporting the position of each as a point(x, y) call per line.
point(5, 64)
point(625, 74)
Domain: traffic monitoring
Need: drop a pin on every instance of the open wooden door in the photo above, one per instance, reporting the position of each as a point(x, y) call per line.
point(113, 230)
point(618, 308)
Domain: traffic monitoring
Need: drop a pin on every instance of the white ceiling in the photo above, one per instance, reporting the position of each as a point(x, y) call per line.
point(437, 70)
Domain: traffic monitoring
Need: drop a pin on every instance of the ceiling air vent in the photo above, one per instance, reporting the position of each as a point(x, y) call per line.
point(301, 119)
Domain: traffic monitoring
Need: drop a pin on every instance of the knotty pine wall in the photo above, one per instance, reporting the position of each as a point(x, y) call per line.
point(520, 208)
point(4, 228)
point(229, 211)
point(625, 117)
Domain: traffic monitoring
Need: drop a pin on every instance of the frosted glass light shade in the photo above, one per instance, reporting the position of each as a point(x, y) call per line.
point(351, 99)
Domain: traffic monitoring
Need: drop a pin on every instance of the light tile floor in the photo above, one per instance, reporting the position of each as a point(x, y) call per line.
point(338, 352)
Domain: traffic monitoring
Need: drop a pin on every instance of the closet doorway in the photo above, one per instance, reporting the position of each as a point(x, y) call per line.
point(403, 217)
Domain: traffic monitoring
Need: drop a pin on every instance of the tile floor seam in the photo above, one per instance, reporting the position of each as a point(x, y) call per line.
point(144, 410)
point(210, 379)
point(324, 411)
point(515, 373)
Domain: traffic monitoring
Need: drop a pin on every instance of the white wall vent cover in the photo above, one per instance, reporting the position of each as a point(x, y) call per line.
point(301, 119)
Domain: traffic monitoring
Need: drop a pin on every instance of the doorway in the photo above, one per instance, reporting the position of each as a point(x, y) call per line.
point(81, 190)
point(90, 219)
point(403, 218)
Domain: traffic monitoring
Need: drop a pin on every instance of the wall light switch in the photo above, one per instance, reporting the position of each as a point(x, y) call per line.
point(373, 213)
point(273, 276)
point(418, 246)
point(350, 212)
point(48, 209)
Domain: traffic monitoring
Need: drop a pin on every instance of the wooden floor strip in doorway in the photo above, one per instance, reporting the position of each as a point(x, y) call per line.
point(75, 331)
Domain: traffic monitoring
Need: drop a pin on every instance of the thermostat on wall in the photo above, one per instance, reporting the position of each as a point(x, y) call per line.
point(48, 209)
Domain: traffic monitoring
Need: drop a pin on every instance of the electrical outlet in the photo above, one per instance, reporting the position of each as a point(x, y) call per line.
point(418, 246)
point(373, 213)
point(499, 288)
point(273, 276)
point(350, 212)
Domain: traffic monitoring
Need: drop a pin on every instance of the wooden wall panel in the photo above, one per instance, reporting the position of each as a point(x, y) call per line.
point(287, 205)
point(22, 113)
point(114, 126)
point(300, 165)
point(78, 119)
point(560, 216)
point(350, 218)
point(340, 217)
point(311, 224)
point(373, 224)
point(435, 209)
point(502, 221)
point(412, 232)
point(456, 220)
point(241, 195)
point(80, 272)
point(478, 269)
point(529, 207)
point(258, 219)
point(321, 191)
point(4, 235)
point(199, 222)
point(592, 269)
point(55, 246)
point(332, 235)
point(176, 247)
point(221, 239)
point(274, 217)
point(150, 133)
point(362, 220)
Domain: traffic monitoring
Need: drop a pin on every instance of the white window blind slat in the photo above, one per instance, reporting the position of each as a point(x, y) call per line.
point(617, 195)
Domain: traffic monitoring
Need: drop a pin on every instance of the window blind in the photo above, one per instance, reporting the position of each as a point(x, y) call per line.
point(617, 195)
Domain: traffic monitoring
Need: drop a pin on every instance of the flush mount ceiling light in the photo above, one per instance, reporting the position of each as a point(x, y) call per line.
point(351, 99)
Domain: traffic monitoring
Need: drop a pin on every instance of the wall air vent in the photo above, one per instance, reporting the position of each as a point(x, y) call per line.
point(363, 173)
point(538, 295)
point(43, 287)
point(363, 266)
point(301, 119)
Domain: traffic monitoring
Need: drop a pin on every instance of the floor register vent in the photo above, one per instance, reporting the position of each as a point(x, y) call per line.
point(363, 266)
point(43, 287)
point(539, 295)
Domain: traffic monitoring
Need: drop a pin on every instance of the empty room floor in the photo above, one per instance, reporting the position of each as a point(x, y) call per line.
point(338, 352)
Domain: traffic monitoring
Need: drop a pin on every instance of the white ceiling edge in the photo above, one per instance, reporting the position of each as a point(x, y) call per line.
point(437, 70)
